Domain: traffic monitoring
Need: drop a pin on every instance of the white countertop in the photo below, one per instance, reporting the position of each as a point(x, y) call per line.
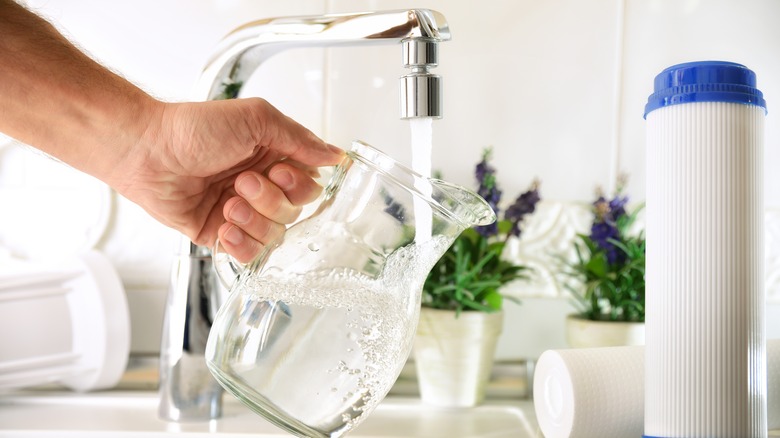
point(128, 414)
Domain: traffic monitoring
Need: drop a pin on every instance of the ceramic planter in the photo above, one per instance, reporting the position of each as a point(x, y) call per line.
point(454, 356)
point(586, 333)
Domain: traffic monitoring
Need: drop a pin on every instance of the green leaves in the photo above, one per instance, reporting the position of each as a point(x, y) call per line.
point(470, 274)
point(612, 292)
point(598, 265)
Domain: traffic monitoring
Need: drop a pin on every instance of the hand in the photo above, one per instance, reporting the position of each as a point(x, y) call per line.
point(237, 169)
point(192, 166)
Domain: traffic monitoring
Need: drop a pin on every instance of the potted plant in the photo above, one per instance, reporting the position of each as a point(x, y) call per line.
point(610, 274)
point(461, 316)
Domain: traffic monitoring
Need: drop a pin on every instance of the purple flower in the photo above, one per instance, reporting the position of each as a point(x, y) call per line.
point(617, 206)
point(524, 204)
point(486, 176)
point(604, 228)
point(601, 233)
point(488, 189)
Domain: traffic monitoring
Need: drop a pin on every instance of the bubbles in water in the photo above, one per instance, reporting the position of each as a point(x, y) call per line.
point(375, 313)
point(313, 247)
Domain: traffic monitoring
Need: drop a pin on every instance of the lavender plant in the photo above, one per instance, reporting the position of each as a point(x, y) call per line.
point(611, 263)
point(470, 274)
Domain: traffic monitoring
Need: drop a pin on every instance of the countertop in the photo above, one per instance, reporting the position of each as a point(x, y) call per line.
point(128, 414)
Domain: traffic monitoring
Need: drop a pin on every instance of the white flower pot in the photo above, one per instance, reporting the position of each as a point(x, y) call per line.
point(586, 333)
point(454, 356)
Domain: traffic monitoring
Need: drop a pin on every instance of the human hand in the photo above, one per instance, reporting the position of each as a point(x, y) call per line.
point(235, 169)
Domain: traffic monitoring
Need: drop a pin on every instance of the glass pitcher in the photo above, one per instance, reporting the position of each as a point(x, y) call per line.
point(316, 329)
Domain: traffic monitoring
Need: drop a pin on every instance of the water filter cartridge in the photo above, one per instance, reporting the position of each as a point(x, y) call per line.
point(705, 356)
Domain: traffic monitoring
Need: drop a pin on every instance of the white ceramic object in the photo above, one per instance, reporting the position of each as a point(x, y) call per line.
point(705, 357)
point(67, 324)
point(599, 392)
point(454, 356)
point(586, 333)
point(101, 325)
point(590, 392)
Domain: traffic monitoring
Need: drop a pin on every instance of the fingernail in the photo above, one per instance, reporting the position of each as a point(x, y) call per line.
point(234, 236)
point(282, 178)
point(240, 213)
point(248, 186)
point(335, 149)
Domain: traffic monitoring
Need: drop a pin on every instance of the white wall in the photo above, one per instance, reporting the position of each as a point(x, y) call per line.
point(556, 87)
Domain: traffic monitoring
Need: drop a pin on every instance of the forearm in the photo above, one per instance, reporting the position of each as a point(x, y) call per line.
point(57, 99)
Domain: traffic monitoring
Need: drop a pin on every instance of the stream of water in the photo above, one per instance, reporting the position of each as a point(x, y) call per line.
point(422, 150)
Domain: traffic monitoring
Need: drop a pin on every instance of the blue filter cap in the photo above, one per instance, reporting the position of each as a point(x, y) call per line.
point(705, 81)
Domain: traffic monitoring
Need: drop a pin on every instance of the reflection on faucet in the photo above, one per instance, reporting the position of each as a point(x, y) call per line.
point(187, 390)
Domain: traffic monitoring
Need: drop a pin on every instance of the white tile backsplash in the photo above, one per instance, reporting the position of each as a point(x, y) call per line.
point(556, 87)
point(661, 33)
point(532, 79)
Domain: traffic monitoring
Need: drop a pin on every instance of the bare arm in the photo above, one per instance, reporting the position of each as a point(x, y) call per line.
point(59, 100)
point(236, 169)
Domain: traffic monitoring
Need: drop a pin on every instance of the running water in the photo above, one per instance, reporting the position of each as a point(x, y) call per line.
point(422, 144)
point(422, 150)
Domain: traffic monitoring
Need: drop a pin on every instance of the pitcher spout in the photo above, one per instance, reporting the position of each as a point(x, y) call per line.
point(463, 205)
point(460, 206)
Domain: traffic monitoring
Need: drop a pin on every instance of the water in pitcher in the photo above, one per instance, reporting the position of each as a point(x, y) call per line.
point(324, 346)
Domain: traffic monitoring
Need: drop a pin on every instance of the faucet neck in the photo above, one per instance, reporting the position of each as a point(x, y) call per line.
point(242, 51)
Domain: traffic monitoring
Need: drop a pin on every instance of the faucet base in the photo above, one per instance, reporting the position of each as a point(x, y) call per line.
point(188, 392)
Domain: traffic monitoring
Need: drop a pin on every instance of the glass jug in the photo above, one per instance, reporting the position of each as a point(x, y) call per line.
point(316, 329)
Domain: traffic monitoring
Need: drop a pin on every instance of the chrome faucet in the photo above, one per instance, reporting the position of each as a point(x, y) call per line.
point(418, 31)
point(187, 390)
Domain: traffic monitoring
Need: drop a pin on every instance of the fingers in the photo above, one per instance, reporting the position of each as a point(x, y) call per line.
point(266, 198)
point(255, 225)
point(297, 183)
point(264, 206)
point(237, 243)
point(247, 232)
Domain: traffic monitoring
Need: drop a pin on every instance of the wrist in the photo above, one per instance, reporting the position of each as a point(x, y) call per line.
point(131, 144)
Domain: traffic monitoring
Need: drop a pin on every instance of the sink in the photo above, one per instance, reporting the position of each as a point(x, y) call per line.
point(130, 414)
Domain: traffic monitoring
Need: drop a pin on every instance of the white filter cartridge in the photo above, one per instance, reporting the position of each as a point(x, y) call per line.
point(705, 358)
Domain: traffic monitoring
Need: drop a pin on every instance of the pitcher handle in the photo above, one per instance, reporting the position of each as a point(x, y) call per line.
point(226, 266)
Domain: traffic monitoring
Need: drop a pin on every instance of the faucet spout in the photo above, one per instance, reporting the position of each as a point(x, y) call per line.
point(420, 30)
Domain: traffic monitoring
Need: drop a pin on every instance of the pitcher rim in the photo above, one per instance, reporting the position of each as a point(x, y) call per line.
point(479, 210)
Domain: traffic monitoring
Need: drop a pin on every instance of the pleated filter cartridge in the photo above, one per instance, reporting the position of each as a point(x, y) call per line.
point(705, 357)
